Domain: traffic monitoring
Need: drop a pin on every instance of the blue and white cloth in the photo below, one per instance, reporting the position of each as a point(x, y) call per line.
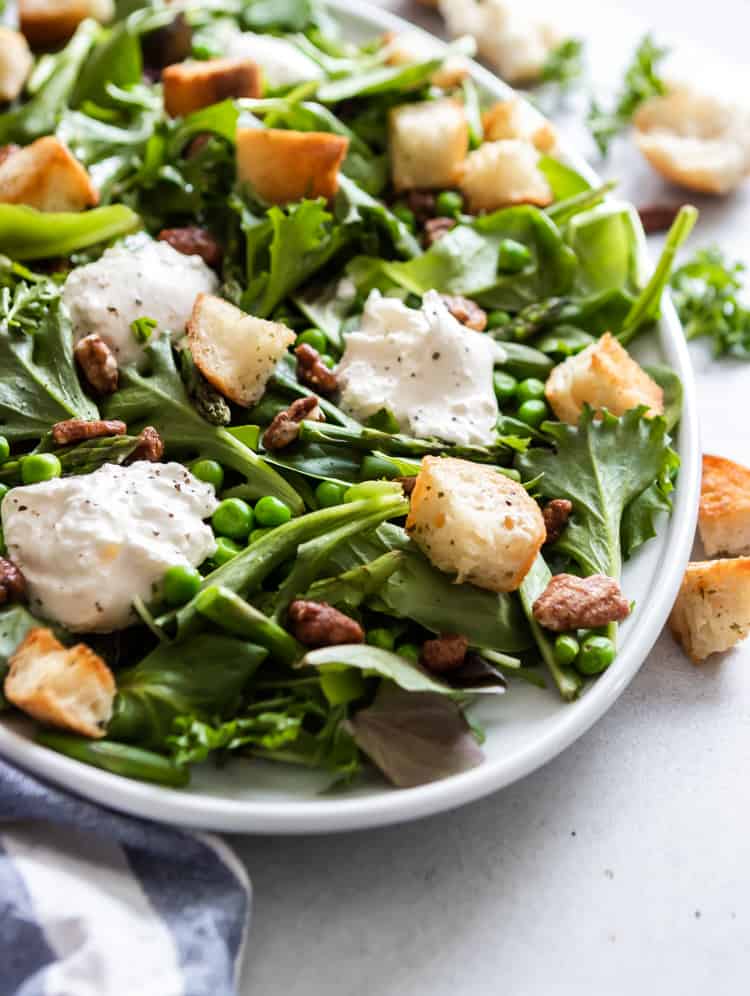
point(93, 903)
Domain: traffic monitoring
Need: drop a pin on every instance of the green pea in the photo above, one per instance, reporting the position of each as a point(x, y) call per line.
point(505, 386)
point(566, 649)
point(226, 550)
point(328, 494)
point(382, 638)
point(597, 653)
point(315, 338)
point(497, 318)
point(512, 256)
point(38, 467)
point(209, 471)
point(328, 360)
point(448, 203)
point(233, 518)
point(181, 584)
point(533, 413)
point(3, 491)
point(405, 215)
point(4, 449)
point(408, 650)
point(257, 534)
point(530, 389)
point(271, 512)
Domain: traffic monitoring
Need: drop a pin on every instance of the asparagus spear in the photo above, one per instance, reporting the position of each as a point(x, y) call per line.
point(120, 759)
point(224, 607)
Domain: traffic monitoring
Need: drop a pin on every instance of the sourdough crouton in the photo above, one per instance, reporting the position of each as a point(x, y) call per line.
point(474, 522)
point(724, 519)
point(69, 687)
point(15, 63)
point(283, 166)
point(413, 47)
point(428, 143)
point(45, 175)
point(603, 375)
point(235, 352)
point(499, 174)
point(712, 611)
point(49, 22)
point(694, 139)
point(516, 118)
point(189, 86)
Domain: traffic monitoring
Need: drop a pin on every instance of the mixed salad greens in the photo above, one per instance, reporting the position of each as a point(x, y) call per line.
point(213, 666)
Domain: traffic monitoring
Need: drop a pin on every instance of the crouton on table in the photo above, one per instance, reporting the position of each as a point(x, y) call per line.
point(283, 166)
point(712, 611)
point(47, 176)
point(68, 687)
point(603, 375)
point(189, 86)
point(428, 142)
point(724, 519)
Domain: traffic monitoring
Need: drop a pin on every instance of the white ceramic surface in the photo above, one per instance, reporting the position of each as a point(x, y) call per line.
point(525, 728)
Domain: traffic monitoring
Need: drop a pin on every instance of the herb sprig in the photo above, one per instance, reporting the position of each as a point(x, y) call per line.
point(707, 292)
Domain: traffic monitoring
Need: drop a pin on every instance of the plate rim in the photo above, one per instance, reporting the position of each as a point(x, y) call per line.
point(401, 805)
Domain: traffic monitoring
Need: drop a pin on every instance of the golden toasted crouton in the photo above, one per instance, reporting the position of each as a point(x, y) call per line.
point(499, 174)
point(69, 687)
point(516, 118)
point(695, 140)
point(712, 611)
point(188, 86)
point(45, 175)
point(604, 375)
point(49, 22)
point(236, 352)
point(428, 143)
point(724, 519)
point(15, 63)
point(413, 47)
point(474, 522)
point(283, 166)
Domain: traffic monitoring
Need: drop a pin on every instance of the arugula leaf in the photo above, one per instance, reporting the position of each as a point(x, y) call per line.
point(26, 233)
point(641, 82)
point(707, 293)
point(415, 737)
point(640, 516)
point(600, 465)
point(158, 397)
point(38, 382)
point(354, 204)
point(193, 739)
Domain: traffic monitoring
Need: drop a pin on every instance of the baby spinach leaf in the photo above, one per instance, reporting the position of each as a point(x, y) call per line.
point(600, 465)
point(384, 663)
point(606, 241)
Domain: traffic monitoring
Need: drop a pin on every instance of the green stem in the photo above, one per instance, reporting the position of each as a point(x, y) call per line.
point(561, 211)
point(117, 758)
point(233, 614)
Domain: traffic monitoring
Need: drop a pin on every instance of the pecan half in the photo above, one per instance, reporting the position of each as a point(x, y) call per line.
point(556, 514)
point(466, 311)
point(407, 484)
point(313, 372)
point(12, 582)
point(74, 430)
point(98, 364)
point(658, 217)
point(318, 624)
point(285, 427)
point(150, 446)
point(569, 602)
point(435, 229)
point(421, 203)
point(194, 241)
point(445, 653)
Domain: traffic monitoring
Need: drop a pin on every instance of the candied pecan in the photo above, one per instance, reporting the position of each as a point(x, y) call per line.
point(570, 602)
point(192, 240)
point(435, 229)
point(318, 624)
point(466, 311)
point(98, 363)
point(421, 203)
point(313, 372)
point(658, 217)
point(285, 427)
point(407, 484)
point(75, 430)
point(150, 446)
point(6, 151)
point(556, 514)
point(12, 582)
point(445, 653)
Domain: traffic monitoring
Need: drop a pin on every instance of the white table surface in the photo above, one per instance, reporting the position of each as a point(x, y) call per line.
point(621, 867)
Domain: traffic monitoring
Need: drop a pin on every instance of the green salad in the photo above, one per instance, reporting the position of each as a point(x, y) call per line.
point(317, 418)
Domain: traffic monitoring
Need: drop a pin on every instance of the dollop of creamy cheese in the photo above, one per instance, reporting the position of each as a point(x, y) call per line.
point(149, 280)
point(431, 372)
point(283, 64)
point(88, 545)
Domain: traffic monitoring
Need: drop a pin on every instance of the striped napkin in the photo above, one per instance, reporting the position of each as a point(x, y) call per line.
point(93, 903)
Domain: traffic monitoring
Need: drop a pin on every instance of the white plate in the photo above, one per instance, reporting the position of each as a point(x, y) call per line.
point(525, 728)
